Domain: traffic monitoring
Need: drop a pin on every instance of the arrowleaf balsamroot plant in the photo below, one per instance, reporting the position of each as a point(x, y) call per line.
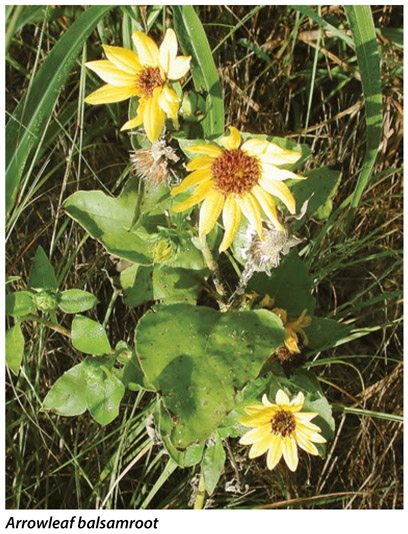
point(182, 274)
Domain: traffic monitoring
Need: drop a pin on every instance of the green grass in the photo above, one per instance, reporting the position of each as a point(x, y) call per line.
point(309, 74)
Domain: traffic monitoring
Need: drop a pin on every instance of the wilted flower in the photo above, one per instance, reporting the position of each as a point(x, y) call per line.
point(293, 328)
point(242, 178)
point(152, 163)
point(279, 429)
point(144, 74)
point(266, 254)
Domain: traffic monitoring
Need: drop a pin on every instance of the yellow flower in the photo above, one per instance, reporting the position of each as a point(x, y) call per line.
point(279, 429)
point(293, 328)
point(242, 178)
point(144, 74)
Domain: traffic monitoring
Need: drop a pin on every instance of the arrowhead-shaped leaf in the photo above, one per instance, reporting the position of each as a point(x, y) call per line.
point(290, 285)
point(197, 358)
point(112, 221)
point(42, 275)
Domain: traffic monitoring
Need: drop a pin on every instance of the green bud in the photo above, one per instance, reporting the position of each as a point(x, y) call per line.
point(45, 300)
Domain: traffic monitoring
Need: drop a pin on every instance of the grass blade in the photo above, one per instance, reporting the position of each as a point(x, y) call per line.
point(33, 111)
point(368, 57)
point(194, 43)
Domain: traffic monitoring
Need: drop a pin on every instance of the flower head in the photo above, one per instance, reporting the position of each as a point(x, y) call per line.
point(144, 74)
point(279, 429)
point(239, 179)
point(293, 328)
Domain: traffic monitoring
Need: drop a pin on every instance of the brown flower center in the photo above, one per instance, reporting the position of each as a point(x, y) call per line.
point(235, 172)
point(147, 81)
point(283, 423)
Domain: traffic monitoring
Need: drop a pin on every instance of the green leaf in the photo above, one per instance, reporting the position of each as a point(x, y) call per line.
point(194, 43)
point(319, 188)
point(90, 384)
point(133, 377)
point(76, 301)
point(196, 358)
point(368, 57)
point(68, 395)
point(19, 303)
point(104, 391)
point(111, 221)
point(161, 282)
point(137, 284)
point(42, 274)
point(14, 348)
point(176, 284)
point(290, 285)
point(89, 336)
point(213, 463)
point(191, 456)
point(25, 128)
point(325, 333)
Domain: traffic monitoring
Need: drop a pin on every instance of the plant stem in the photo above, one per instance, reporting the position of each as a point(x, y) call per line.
point(216, 275)
point(57, 327)
point(54, 326)
point(200, 495)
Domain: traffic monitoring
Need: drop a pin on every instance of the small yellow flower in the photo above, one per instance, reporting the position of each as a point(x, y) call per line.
point(239, 179)
point(144, 74)
point(293, 328)
point(279, 429)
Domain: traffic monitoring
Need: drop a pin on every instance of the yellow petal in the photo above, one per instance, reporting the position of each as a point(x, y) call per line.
point(168, 50)
point(169, 102)
point(255, 146)
point(261, 446)
point(111, 74)
point(306, 417)
point(192, 179)
point(232, 141)
point(231, 217)
point(277, 155)
point(298, 402)
point(206, 150)
point(291, 343)
point(255, 434)
point(265, 400)
point(307, 426)
point(268, 206)
point(107, 94)
point(305, 444)
point(274, 452)
point(281, 398)
point(202, 162)
point(123, 58)
point(280, 190)
point(146, 49)
point(251, 209)
point(138, 120)
point(209, 212)
point(179, 67)
point(153, 116)
point(273, 172)
point(253, 420)
point(317, 438)
point(199, 194)
point(290, 452)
